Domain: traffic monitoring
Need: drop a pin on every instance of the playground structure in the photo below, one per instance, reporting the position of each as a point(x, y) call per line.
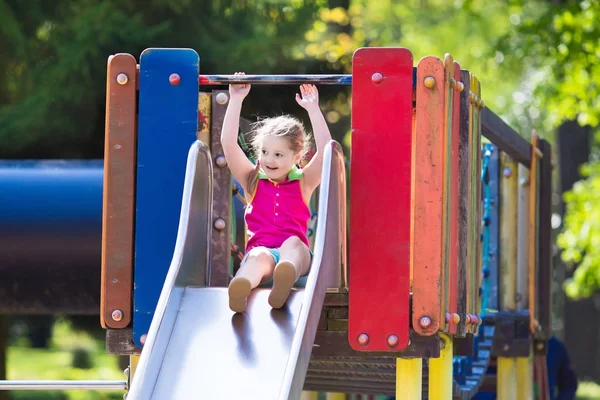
point(448, 263)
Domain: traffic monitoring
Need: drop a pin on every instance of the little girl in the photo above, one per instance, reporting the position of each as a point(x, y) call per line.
point(278, 194)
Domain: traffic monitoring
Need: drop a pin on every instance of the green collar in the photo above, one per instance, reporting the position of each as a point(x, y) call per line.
point(294, 175)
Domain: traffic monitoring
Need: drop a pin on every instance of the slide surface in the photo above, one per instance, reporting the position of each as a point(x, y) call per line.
point(197, 347)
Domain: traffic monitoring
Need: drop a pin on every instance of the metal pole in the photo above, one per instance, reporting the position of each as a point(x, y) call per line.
point(275, 79)
point(63, 385)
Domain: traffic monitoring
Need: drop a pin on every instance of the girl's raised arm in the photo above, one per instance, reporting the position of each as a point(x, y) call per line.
point(238, 163)
point(310, 102)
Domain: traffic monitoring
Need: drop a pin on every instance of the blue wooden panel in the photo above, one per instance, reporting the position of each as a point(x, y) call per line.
point(167, 127)
point(494, 227)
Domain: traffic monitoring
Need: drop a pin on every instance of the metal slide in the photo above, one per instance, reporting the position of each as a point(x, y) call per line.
point(196, 347)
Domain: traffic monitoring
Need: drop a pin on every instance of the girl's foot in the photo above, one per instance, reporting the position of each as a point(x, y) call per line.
point(284, 278)
point(239, 290)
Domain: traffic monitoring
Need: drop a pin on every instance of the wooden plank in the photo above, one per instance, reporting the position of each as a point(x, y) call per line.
point(446, 191)
point(168, 126)
point(545, 240)
point(534, 178)
point(452, 263)
point(220, 256)
point(118, 194)
point(204, 119)
point(427, 244)
point(478, 203)
point(336, 344)
point(506, 138)
point(381, 114)
point(463, 205)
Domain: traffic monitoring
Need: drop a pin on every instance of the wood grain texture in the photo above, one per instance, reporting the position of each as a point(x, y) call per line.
point(222, 186)
point(118, 196)
point(380, 214)
point(427, 243)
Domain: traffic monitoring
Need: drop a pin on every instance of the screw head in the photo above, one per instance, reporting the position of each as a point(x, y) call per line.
point(222, 98)
point(174, 79)
point(377, 78)
point(429, 82)
point(455, 318)
point(363, 339)
point(507, 172)
point(117, 315)
point(392, 340)
point(425, 322)
point(122, 79)
point(143, 338)
point(221, 161)
point(219, 224)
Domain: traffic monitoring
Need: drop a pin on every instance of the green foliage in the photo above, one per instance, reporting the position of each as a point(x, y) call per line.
point(53, 98)
point(580, 239)
point(560, 44)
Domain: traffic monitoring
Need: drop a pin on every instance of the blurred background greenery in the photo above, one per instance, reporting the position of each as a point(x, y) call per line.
point(538, 62)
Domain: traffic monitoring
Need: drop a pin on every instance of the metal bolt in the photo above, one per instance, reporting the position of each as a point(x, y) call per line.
point(143, 338)
point(363, 339)
point(117, 146)
point(117, 315)
point(429, 82)
point(222, 98)
point(460, 86)
point(392, 340)
point(122, 79)
point(174, 79)
point(221, 162)
point(452, 82)
point(425, 322)
point(219, 224)
point(506, 347)
point(455, 318)
point(377, 78)
point(507, 172)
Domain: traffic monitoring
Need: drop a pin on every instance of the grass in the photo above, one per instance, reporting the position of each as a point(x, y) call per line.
point(588, 391)
point(67, 348)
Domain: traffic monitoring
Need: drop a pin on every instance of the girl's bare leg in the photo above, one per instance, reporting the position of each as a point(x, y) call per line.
point(258, 265)
point(294, 262)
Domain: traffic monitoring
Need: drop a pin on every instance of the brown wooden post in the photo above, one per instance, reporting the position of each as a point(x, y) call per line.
point(464, 156)
point(222, 189)
point(118, 208)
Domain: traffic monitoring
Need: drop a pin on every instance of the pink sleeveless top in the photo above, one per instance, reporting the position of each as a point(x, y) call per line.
point(277, 211)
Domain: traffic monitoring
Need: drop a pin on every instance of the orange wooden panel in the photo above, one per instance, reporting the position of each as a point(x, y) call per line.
point(454, 246)
point(428, 181)
point(118, 192)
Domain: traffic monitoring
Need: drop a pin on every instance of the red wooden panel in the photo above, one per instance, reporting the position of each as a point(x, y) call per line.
point(118, 192)
point(380, 195)
point(454, 246)
point(428, 181)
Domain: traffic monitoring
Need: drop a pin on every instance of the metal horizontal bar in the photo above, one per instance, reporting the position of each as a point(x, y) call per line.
point(275, 79)
point(63, 385)
point(505, 137)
